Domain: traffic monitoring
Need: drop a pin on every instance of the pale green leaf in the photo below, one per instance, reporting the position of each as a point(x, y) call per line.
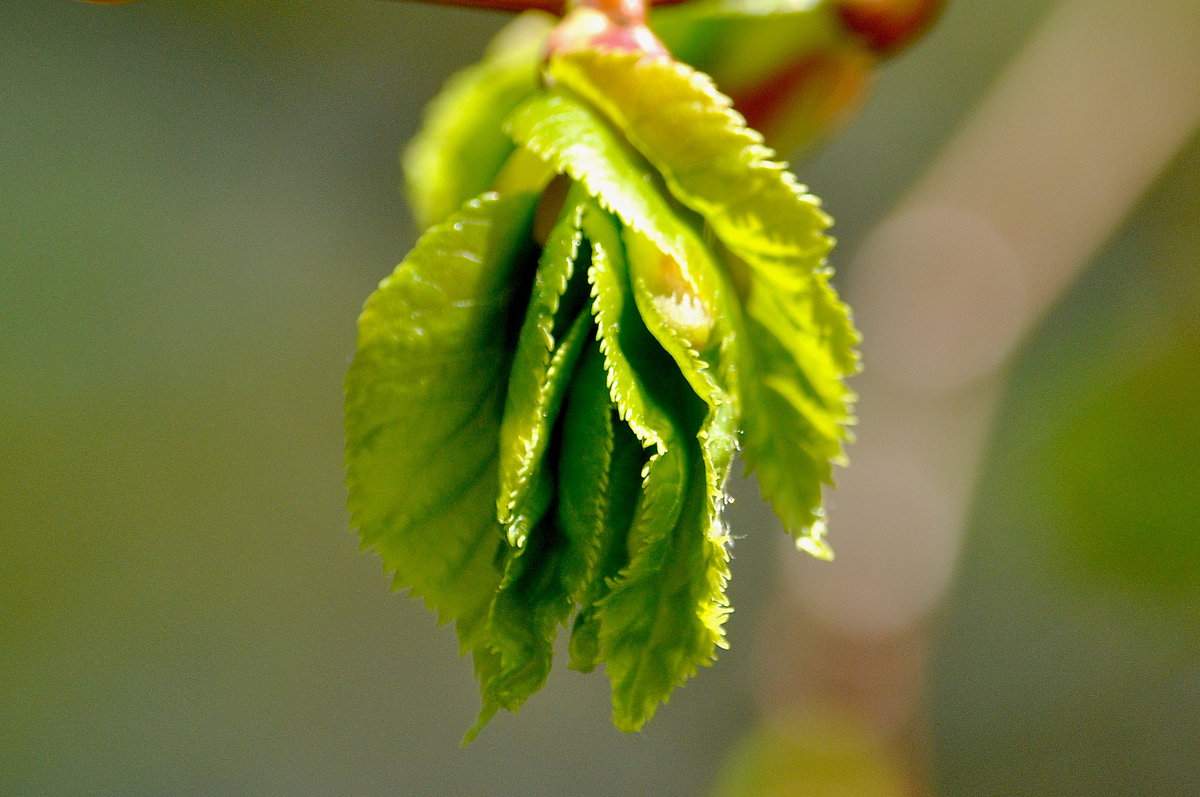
point(460, 148)
point(622, 337)
point(576, 141)
point(688, 308)
point(799, 349)
point(687, 298)
point(685, 290)
point(423, 406)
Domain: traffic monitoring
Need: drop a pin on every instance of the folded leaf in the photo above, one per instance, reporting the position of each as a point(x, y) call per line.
point(688, 299)
point(535, 436)
point(689, 310)
point(551, 337)
point(530, 604)
point(429, 378)
point(576, 141)
point(663, 615)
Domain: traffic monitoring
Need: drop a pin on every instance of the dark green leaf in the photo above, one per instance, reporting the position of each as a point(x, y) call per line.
point(528, 608)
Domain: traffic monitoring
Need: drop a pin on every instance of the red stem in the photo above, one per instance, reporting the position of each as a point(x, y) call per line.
point(623, 7)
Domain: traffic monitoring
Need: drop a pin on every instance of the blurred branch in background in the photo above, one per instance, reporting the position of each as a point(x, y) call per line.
point(946, 289)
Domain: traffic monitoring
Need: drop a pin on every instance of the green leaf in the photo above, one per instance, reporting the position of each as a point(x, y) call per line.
point(535, 596)
point(536, 593)
point(528, 608)
point(663, 615)
point(461, 147)
point(684, 290)
point(574, 140)
point(799, 351)
point(675, 117)
point(687, 298)
point(688, 309)
point(429, 378)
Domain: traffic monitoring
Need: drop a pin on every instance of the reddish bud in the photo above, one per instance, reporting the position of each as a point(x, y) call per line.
point(617, 26)
point(888, 25)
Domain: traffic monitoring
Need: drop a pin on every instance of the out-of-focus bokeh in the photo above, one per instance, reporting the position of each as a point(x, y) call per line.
point(195, 198)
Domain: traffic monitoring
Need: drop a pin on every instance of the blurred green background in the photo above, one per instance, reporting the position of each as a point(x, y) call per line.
point(195, 198)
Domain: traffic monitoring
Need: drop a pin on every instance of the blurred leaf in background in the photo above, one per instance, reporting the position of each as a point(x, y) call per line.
point(1070, 664)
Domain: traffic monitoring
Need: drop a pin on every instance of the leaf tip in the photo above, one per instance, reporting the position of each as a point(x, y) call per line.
point(812, 541)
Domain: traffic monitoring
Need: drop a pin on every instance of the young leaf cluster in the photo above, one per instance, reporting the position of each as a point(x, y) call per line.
point(620, 289)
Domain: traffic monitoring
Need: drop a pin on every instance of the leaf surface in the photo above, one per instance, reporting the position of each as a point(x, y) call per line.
point(536, 593)
point(801, 348)
point(600, 479)
point(576, 140)
point(523, 620)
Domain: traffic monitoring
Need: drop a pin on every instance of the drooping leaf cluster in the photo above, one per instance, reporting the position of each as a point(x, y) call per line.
point(620, 289)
